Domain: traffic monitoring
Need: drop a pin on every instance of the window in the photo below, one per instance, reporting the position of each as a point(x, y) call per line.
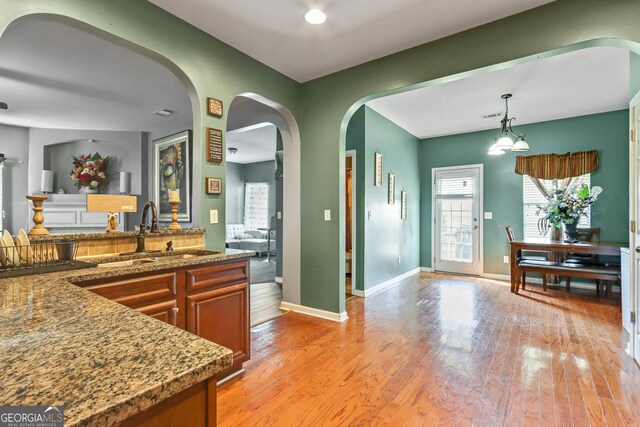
point(256, 205)
point(533, 197)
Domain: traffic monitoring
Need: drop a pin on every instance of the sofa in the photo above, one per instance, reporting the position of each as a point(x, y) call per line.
point(249, 240)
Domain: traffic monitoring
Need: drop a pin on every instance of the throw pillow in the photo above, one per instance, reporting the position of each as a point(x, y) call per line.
point(243, 236)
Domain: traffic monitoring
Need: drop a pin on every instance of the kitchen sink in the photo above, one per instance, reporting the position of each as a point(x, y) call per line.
point(156, 259)
point(127, 263)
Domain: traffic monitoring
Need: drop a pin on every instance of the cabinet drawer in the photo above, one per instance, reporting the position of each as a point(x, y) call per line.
point(138, 291)
point(218, 275)
point(166, 311)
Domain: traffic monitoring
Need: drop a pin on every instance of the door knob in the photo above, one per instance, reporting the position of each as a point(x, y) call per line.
point(175, 309)
point(475, 227)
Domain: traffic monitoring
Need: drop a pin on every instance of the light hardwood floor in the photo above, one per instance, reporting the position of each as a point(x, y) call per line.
point(442, 350)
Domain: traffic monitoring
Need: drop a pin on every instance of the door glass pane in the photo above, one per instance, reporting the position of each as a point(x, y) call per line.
point(455, 197)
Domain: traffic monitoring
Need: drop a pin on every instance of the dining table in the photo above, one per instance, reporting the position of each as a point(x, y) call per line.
point(556, 249)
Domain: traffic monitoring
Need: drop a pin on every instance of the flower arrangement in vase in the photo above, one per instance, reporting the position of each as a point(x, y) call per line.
point(565, 208)
point(89, 172)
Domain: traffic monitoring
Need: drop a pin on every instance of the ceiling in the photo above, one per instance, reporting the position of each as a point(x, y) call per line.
point(55, 76)
point(255, 143)
point(356, 31)
point(584, 82)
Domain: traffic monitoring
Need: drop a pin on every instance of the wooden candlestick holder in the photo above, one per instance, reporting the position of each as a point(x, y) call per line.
point(38, 229)
point(174, 215)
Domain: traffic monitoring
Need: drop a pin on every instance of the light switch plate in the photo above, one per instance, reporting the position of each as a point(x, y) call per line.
point(505, 259)
point(279, 215)
point(213, 216)
point(488, 215)
point(327, 214)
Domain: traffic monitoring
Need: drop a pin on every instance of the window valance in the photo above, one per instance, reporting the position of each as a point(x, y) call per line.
point(557, 166)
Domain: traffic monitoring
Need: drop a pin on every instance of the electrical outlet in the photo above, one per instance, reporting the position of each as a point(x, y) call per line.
point(327, 214)
point(368, 214)
point(505, 259)
point(213, 216)
point(488, 215)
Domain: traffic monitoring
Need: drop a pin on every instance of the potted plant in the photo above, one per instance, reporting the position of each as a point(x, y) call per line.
point(565, 208)
point(89, 172)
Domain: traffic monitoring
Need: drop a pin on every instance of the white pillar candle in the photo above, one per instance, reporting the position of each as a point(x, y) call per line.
point(125, 182)
point(174, 195)
point(46, 184)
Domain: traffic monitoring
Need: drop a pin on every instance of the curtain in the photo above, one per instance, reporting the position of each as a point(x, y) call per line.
point(557, 166)
point(256, 205)
point(561, 169)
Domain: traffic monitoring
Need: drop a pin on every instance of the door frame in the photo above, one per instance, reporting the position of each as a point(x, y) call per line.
point(480, 167)
point(634, 238)
point(354, 218)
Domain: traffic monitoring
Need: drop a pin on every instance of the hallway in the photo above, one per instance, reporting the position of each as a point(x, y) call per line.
point(442, 350)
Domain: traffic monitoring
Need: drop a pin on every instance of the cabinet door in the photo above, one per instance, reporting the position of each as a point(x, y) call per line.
point(165, 311)
point(221, 315)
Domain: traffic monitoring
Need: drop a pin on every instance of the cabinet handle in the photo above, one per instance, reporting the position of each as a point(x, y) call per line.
point(175, 309)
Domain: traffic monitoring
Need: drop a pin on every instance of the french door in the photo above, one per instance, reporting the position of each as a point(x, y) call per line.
point(457, 231)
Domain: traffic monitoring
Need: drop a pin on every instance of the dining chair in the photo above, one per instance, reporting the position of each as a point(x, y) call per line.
point(523, 277)
point(585, 234)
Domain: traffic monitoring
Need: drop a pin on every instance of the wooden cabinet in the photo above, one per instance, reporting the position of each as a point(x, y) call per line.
point(211, 301)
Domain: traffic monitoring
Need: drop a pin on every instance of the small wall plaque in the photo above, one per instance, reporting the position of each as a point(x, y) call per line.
point(391, 197)
point(214, 107)
point(213, 185)
point(377, 173)
point(214, 145)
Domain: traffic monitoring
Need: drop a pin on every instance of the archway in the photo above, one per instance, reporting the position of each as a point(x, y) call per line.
point(352, 110)
point(254, 109)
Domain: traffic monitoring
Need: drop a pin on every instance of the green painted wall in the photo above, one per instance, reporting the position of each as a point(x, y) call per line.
point(386, 235)
point(324, 106)
point(634, 74)
point(607, 133)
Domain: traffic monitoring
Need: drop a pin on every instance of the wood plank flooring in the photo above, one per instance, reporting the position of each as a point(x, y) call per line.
point(265, 302)
point(442, 350)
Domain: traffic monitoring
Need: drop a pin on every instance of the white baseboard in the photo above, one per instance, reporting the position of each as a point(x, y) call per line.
point(492, 276)
point(426, 269)
point(386, 284)
point(278, 279)
point(315, 312)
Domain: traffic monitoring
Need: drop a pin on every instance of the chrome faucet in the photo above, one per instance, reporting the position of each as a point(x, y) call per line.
point(143, 225)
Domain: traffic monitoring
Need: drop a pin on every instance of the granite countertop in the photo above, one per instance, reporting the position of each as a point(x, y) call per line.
point(63, 345)
point(96, 236)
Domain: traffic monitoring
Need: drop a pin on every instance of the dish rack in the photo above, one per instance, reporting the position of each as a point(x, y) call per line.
point(38, 254)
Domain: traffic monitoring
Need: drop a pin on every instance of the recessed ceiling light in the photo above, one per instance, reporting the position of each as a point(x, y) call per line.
point(315, 16)
point(164, 112)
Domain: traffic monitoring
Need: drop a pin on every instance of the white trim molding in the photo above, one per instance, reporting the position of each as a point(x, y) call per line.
point(426, 269)
point(384, 285)
point(279, 280)
point(315, 312)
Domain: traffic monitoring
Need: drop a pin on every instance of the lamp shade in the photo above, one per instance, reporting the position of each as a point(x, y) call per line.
point(504, 142)
point(494, 150)
point(520, 145)
point(46, 184)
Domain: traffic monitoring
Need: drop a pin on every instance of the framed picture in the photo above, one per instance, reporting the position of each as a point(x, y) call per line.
point(403, 210)
point(213, 185)
point(377, 175)
point(279, 165)
point(172, 171)
point(214, 107)
point(391, 198)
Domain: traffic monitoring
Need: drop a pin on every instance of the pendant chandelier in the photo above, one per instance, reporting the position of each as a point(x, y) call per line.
point(505, 142)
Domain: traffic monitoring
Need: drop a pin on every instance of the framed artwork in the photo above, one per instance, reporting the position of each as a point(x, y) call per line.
point(403, 210)
point(279, 165)
point(377, 175)
point(213, 185)
point(214, 107)
point(172, 171)
point(391, 198)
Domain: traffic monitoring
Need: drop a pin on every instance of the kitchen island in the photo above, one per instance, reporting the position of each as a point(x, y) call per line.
point(61, 344)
